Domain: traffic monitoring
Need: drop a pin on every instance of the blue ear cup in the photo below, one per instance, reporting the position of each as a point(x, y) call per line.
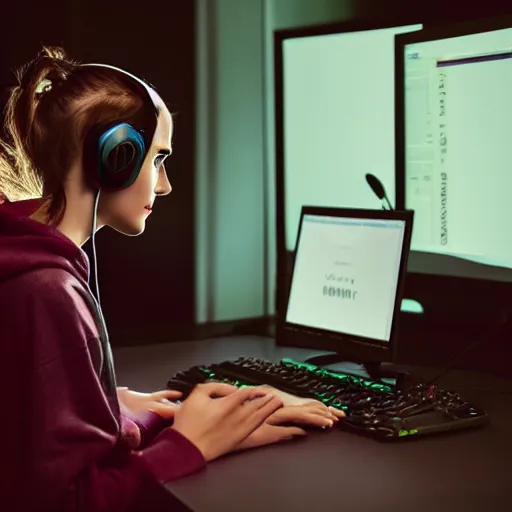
point(121, 153)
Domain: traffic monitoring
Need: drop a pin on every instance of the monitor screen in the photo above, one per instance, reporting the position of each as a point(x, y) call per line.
point(457, 151)
point(337, 103)
point(346, 273)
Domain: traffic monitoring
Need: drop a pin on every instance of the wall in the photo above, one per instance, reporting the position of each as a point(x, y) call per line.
point(230, 160)
point(235, 219)
point(285, 14)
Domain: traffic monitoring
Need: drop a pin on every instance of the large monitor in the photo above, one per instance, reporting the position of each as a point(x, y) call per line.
point(335, 117)
point(454, 148)
point(347, 282)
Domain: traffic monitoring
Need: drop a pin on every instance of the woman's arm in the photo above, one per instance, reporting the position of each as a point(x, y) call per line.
point(129, 481)
point(72, 455)
point(81, 452)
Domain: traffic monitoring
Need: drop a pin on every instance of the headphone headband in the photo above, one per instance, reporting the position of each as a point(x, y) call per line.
point(145, 85)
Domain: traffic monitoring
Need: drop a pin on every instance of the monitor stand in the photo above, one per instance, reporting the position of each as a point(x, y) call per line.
point(374, 369)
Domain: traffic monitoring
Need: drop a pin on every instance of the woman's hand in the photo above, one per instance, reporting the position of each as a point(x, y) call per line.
point(218, 417)
point(157, 402)
point(289, 399)
point(308, 413)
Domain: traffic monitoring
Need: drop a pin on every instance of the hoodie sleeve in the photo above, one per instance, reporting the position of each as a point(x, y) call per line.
point(77, 458)
point(142, 428)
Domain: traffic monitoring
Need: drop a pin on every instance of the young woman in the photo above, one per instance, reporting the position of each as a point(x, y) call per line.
point(88, 142)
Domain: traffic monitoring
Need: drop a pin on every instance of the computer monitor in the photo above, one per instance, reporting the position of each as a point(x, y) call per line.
point(347, 282)
point(454, 148)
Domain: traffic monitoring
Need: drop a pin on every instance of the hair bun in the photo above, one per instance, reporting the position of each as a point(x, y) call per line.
point(54, 53)
point(50, 64)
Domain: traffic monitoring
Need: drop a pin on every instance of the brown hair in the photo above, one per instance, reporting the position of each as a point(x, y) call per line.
point(46, 126)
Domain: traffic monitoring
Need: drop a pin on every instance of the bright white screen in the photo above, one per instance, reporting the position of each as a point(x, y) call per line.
point(458, 126)
point(346, 275)
point(338, 119)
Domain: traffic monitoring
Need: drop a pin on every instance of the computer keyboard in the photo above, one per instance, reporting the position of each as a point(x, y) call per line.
point(372, 408)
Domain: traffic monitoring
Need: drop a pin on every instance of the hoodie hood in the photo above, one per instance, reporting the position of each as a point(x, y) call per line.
point(27, 245)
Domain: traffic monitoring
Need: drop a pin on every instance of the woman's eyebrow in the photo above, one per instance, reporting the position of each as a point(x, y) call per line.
point(163, 151)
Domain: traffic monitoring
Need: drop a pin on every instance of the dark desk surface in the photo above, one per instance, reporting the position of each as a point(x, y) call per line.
point(466, 471)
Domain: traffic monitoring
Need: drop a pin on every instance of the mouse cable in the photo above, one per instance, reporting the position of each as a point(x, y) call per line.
point(489, 335)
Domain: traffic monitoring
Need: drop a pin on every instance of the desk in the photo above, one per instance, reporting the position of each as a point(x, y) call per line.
point(335, 470)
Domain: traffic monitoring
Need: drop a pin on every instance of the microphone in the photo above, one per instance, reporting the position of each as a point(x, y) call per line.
point(379, 190)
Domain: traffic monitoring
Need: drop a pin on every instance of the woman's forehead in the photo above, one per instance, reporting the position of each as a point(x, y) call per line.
point(164, 129)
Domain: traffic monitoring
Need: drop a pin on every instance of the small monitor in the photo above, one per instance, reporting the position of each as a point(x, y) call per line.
point(347, 281)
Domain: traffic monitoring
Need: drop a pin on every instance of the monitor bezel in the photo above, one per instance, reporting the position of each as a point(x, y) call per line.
point(356, 347)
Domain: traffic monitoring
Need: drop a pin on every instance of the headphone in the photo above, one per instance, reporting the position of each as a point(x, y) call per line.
point(119, 152)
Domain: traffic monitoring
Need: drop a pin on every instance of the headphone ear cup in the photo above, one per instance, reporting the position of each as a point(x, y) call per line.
point(121, 153)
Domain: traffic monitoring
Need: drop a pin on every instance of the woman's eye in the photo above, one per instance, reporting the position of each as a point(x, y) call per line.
point(159, 160)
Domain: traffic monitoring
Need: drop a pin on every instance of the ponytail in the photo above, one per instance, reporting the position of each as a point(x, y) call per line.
point(20, 178)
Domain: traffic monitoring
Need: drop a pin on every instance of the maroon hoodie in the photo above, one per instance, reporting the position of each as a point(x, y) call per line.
point(65, 445)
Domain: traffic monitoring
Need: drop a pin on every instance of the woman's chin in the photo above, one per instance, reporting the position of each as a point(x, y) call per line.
point(131, 229)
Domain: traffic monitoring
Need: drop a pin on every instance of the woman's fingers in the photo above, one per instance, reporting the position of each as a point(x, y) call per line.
point(161, 402)
point(320, 409)
point(255, 412)
point(331, 412)
point(166, 394)
point(337, 412)
point(165, 411)
point(308, 414)
point(334, 410)
point(217, 389)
